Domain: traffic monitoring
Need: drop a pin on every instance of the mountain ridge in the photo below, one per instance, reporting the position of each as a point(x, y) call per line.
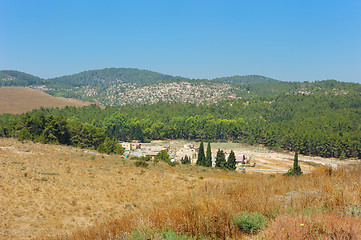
point(130, 75)
point(122, 86)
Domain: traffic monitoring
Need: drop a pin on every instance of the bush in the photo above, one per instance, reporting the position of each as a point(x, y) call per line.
point(172, 164)
point(163, 155)
point(141, 164)
point(24, 134)
point(145, 158)
point(101, 148)
point(119, 150)
point(250, 222)
point(158, 234)
point(185, 160)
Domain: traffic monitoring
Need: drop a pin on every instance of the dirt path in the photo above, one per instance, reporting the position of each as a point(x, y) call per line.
point(284, 161)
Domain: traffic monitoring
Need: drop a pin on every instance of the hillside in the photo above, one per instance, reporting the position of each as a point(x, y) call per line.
point(123, 86)
point(61, 192)
point(107, 75)
point(246, 80)
point(16, 78)
point(21, 99)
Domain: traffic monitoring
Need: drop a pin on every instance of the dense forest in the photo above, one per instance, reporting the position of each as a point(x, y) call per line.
point(324, 125)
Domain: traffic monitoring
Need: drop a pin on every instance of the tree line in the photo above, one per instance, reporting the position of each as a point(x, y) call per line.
point(324, 125)
point(39, 127)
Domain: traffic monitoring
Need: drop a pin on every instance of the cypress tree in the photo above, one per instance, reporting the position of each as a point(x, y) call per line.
point(296, 170)
point(186, 160)
point(221, 160)
point(296, 167)
point(231, 163)
point(201, 158)
point(208, 162)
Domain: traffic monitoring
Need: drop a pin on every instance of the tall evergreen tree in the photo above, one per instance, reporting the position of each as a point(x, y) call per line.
point(185, 160)
point(231, 163)
point(296, 167)
point(221, 159)
point(201, 158)
point(208, 162)
point(296, 170)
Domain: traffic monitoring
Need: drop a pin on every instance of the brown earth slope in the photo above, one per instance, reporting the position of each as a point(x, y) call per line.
point(20, 99)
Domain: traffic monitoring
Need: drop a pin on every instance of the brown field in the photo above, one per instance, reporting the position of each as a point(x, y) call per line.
point(60, 192)
point(20, 100)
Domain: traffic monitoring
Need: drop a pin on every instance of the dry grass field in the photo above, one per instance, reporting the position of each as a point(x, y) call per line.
point(20, 100)
point(59, 192)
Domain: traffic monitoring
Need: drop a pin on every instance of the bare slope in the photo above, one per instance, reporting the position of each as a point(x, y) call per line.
point(21, 99)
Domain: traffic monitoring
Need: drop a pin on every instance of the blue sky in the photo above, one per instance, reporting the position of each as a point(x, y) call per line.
point(287, 40)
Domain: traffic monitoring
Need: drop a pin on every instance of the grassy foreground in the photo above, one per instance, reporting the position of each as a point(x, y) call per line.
point(321, 205)
point(59, 192)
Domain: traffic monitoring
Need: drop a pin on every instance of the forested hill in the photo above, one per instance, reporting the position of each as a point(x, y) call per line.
point(247, 80)
point(108, 75)
point(320, 124)
point(19, 79)
point(124, 86)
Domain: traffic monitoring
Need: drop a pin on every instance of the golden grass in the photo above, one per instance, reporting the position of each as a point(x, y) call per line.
point(104, 197)
point(20, 100)
point(208, 209)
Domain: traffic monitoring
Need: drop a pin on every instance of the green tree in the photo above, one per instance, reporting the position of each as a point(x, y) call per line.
point(120, 150)
point(24, 134)
point(56, 131)
point(163, 155)
point(231, 163)
point(221, 160)
point(101, 148)
point(296, 169)
point(185, 160)
point(110, 145)
point(208, 160)
point(201, 157)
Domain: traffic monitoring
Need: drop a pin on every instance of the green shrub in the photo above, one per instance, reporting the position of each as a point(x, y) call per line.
point(172, 164)
point(24, 134)
point(163, 155)
point(185, 160)
point(250, 222)
point(158, 234)
point(101, 148)
point(119, 150)
point(141, 164)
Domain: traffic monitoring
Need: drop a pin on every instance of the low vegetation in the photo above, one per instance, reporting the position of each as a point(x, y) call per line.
point(250, 222)
point(231, 205)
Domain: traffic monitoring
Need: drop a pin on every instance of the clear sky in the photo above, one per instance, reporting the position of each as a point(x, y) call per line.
point(289, 40)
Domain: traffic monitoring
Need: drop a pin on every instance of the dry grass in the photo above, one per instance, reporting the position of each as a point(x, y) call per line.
point(50, 189)
point(314, 227)
point(107, 197)
point(20, 100)
point(317, 200)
